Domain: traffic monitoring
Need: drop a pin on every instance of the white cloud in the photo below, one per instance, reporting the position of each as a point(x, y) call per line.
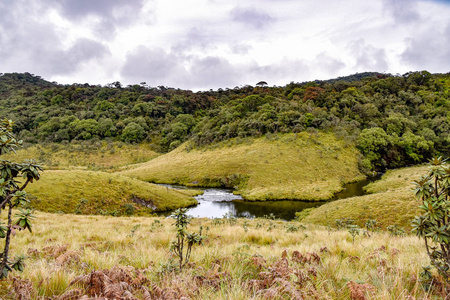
point(203, 44)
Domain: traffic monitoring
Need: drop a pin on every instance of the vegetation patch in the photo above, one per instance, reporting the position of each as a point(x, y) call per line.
point(290, 166)
point(71, 256)
point(94, 192)
point(92, 155)
point(398, 179)
point(392, 202)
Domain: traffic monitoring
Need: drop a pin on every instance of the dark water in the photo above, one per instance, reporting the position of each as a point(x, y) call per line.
point(216, 203)
point(355, 188)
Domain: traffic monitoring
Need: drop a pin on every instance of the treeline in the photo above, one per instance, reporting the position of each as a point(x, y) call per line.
point(394, 120)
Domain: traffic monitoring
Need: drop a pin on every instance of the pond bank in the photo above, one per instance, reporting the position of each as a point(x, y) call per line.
point(217, 203)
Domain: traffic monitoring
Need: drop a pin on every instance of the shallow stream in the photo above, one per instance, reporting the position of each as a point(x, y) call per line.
point(217, 203)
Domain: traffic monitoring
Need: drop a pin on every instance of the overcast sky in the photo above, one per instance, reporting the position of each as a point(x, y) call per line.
point(211, 44)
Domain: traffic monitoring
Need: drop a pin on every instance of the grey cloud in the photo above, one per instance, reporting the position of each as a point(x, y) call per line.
point(251, 17)
point(111, 14)
point(329, 64)
point(155, 66)
point(195, 37)
point(102, 8)
point(33, 45)
point(215, 71)
point(368, 57)
point(403, 11)
point(429, 50)
point(286, 70)
point(84, 50)
point(158, 67)
point(30, 43)
point(241, 49)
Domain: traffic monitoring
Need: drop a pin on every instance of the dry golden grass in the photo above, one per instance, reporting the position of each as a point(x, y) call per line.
point(286, 167)
point(94, 192)
point(235, 262)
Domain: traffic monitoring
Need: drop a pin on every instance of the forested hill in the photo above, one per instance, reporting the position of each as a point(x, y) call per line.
point(393, 120)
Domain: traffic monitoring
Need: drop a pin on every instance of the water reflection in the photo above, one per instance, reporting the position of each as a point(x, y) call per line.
point(215, 203)
point(355, 188)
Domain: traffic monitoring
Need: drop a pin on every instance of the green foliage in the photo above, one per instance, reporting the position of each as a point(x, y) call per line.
point(299, 216)
point(371, 226)
point(433, 225)
point(156, 225)
point(343, 223)
point(133, 133)
point(354, 231)
point(395, 230)
point(12, 196)
point(24, 219)
point(396, 120)
point(134, 229)
point(292, 228)
point(182, 245)
point(372, 143)
point(128, 209)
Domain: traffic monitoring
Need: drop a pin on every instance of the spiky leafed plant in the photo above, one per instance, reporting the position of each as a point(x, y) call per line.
point(12, 195)
point(182, 245)
point(434, 225)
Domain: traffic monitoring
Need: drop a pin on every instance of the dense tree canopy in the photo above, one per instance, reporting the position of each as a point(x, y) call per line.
point(394, 120)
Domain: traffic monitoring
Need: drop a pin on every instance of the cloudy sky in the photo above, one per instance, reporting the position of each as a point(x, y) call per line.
point(210, 44)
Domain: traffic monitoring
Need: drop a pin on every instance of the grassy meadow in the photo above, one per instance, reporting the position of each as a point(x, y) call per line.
point(71, 256)
point(94, 156)
point(95, 192)
point(391, 202)
point(84, 250)
point(291, 166)
point(79, 178)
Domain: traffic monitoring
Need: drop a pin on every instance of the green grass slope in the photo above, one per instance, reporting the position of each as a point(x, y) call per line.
point(392, 202)
point(290, 166)
point(93, 192)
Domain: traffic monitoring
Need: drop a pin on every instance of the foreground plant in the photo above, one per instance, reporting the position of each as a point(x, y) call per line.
point(434, 225)
point(184, 238)
point(12, 195)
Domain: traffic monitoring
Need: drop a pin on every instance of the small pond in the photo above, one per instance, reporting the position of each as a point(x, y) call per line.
point(216, 203)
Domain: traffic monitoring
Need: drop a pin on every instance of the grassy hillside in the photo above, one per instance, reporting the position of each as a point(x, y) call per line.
point(97, 156)
point(398, 179)
point(392, 202)
point(291, 166)
point(395, 121)
point(93, 192)
point(242, 260)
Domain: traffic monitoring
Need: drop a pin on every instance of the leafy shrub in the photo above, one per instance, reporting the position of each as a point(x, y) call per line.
point(433, 225)
point(128, 209)
point(183, 238)
point(13, 196)
point(394, 230)
point(303, 214)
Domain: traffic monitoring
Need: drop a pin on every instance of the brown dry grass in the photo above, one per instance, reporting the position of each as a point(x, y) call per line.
point(81, 257)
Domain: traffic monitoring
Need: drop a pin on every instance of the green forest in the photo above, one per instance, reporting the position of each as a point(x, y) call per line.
point(394, 120)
